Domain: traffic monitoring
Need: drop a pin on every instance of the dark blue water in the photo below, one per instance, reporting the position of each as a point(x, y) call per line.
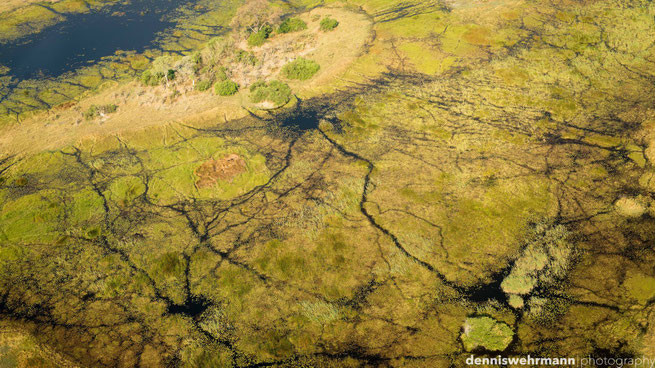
point(86, 38)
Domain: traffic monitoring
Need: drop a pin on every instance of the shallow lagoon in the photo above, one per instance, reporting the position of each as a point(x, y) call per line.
point(88, 37)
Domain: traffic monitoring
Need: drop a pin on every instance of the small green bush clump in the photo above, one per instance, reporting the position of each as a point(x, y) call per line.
point(245, 57)
point(275, 91)
point(328, 24)
point(292, 25)
point(300, 68)
point(95, 110)
point(221, 74)
point(197, 61)
point(170, 74)
point(226, 88)
point(150, 78)
point(258, 38)
point(203, 85)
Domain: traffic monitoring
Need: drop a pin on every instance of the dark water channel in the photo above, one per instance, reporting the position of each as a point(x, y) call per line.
point(85, 38)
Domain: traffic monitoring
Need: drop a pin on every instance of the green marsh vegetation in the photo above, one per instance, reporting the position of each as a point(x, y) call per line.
point(518, 143)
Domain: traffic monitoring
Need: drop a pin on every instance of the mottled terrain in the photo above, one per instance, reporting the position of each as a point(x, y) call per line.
point(478, 179)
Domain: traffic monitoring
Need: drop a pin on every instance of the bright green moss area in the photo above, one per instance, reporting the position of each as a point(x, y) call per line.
point(486, 333)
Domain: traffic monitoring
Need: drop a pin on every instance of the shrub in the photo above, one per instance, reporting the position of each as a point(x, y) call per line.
point(203, 85)
point(258, 38)
point(292, 25)
point(170, 74)
point(300, 68)
point(196, 58)
point(328, 24)
point(151, 79)
point(256, 85)
point(275, 91)
point(226, 88)
point(221, 74)
point(245, 57)
point(95, 110)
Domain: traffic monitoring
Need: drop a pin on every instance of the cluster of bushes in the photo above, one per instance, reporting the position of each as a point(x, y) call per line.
point(96, 110)
point(226, 88)
point(152, 78)
point(328, 24)
point(258, 38)
point(288, 25)
point(291, 25)
point(219, 75)
point(246, 57)
point(275, 91)
point(300, 68)
point(203, 85)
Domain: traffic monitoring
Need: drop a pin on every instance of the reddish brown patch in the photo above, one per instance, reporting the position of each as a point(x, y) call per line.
point(224, 169)
point(65, 105)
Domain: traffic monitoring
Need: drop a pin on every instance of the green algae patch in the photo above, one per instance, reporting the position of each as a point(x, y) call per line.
point(486, 333)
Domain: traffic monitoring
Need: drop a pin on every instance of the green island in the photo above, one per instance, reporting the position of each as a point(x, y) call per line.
point(318, 183)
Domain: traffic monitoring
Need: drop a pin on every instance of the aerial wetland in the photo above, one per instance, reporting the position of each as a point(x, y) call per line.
point(316, 183)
